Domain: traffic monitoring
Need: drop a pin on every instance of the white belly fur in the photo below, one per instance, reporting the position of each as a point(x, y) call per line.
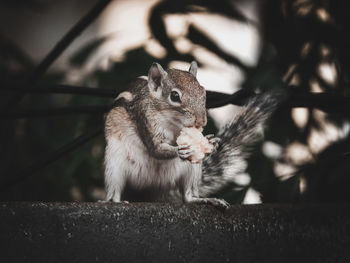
point(129, 160)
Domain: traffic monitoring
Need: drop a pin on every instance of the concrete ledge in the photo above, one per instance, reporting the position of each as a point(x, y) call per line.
point(143, 232)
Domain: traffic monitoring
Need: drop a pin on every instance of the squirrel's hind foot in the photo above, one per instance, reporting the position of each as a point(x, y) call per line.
point(113, 201)
point(219, 203)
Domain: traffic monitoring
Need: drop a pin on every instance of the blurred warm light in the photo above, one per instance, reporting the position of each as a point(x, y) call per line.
point(128, 21)
point(315, 86)
point(305, 50)
point(252, 197)
point(302, 184)
point(295, 80)
point(328, 73)
point(272, 150)
point(298, 154)
point(327, 133)
point(304, 10)
point(239, 39)
point(176, 25)
point(303, 7)
point(155, 49)
point(325, 50)
point(181, 65)
point(242, 179)
point(284, 170)
point(289, 73)
point(183, 45)
point(319, 140)
point(300, 117)
point(323, 15)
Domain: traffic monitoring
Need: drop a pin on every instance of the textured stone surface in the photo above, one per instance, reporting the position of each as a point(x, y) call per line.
point(143, 232)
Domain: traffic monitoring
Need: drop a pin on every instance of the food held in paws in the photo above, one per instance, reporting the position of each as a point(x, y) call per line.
point(195, 139)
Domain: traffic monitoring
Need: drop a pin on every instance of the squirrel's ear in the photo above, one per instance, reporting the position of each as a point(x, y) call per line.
point(193, 68)
point(155, 75)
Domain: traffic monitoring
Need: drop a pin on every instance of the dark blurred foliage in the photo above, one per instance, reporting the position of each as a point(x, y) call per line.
point(293, 39)
point(297, 35)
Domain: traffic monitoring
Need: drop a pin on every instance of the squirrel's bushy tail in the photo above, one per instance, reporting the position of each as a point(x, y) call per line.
point(221, 167)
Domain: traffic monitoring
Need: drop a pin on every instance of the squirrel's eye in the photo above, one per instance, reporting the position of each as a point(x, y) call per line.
point(175, 96)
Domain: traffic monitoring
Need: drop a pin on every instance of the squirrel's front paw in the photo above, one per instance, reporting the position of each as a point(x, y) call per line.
point(213, 140)
point(185, 151)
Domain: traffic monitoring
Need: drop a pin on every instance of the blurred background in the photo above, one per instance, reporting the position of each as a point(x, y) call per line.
point(52, 148)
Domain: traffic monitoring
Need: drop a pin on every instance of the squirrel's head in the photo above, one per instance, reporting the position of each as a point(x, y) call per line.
point(178, 94)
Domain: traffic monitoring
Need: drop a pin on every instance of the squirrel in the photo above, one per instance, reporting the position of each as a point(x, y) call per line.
point(142, 160)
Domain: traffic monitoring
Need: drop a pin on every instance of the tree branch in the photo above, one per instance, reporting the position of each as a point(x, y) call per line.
point(58, 49)
point(37, 113)
point(62, 89)
point(218, 99)
point(68, 38)
point(330, 103)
